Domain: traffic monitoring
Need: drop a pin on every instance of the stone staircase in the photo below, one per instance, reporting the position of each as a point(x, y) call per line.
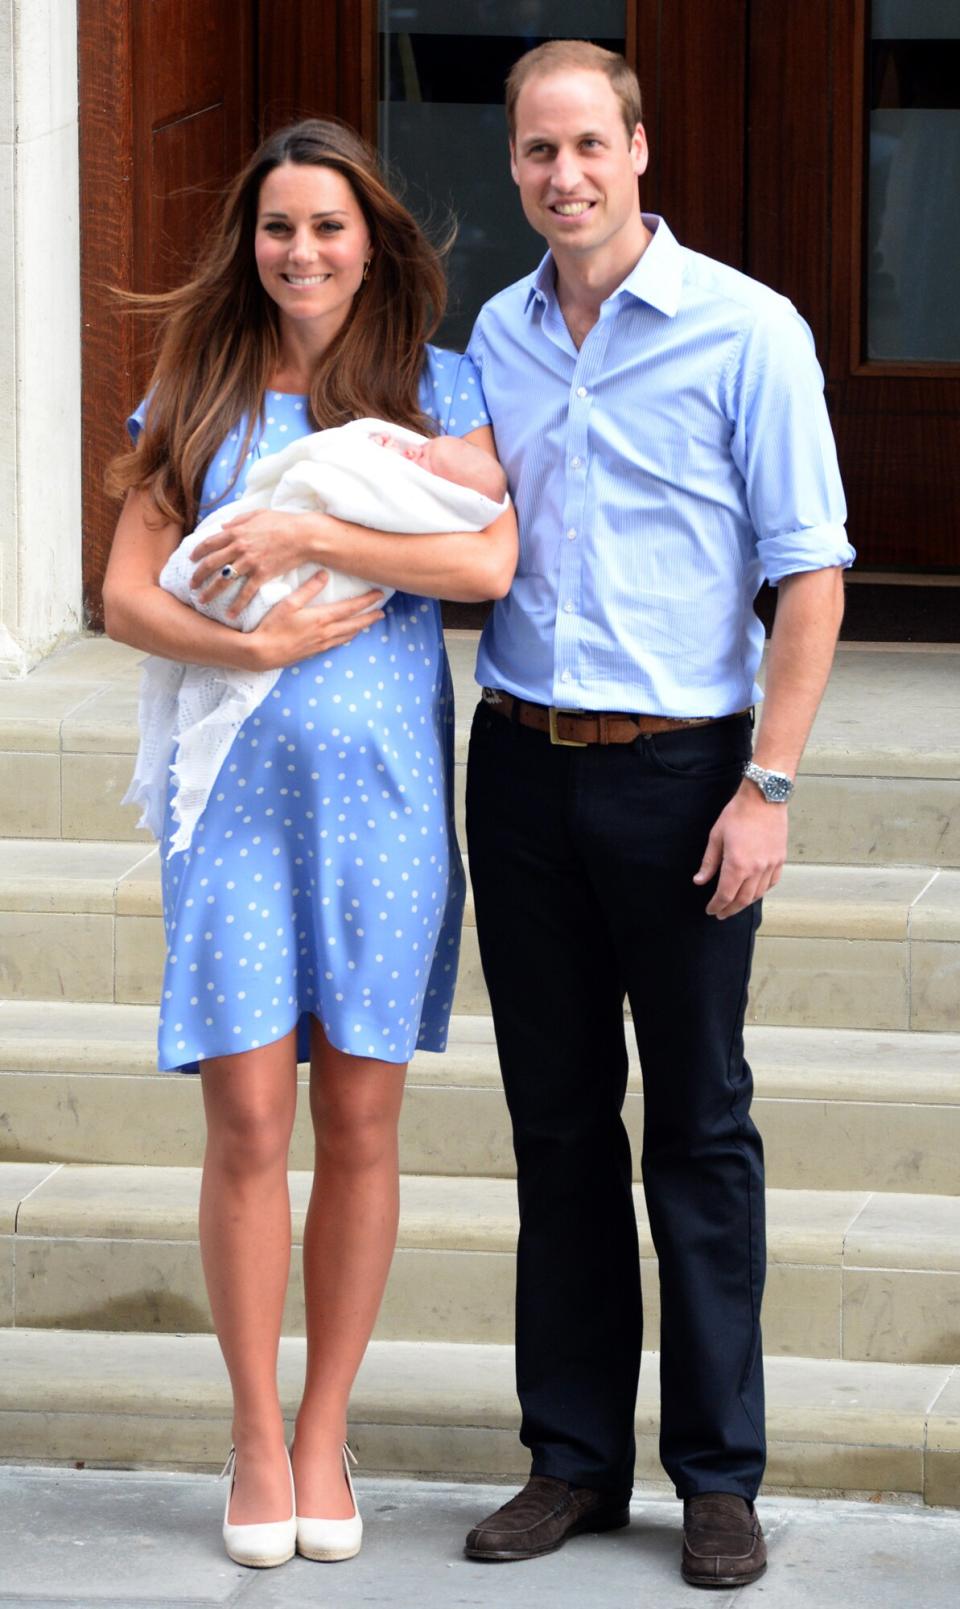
point(854, 1037)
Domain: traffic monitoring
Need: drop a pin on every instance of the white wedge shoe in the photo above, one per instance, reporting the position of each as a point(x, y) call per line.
point(264, 1545)
point(329, 1540)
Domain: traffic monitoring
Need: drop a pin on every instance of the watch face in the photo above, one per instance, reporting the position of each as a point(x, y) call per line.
point(776, 787)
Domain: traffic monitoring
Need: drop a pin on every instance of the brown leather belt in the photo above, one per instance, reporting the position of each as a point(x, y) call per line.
point(576, 728)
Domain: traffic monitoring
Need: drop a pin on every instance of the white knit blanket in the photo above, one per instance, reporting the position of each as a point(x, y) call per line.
point(199, 708)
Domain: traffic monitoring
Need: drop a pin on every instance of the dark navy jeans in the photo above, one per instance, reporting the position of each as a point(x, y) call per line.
point(581, 862)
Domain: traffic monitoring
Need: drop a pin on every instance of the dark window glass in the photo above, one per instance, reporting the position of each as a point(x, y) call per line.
point(913, 187)
point(443, 131)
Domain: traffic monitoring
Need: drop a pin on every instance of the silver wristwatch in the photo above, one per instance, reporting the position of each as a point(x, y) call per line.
point(775, 786)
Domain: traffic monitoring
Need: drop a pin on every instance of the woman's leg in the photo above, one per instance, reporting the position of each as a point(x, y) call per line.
point(250, 1102)
point(348, 1242)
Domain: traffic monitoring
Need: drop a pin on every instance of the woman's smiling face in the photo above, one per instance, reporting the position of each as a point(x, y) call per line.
point(312, 243)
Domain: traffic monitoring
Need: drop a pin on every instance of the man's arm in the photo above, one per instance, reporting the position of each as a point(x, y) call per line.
point(748, 844)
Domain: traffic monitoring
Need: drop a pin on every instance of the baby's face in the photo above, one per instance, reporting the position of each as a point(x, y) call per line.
point(422, 452)
point(439, 455)
point(394, 445)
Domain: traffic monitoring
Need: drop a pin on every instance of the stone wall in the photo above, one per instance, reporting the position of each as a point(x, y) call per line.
point(40, 509)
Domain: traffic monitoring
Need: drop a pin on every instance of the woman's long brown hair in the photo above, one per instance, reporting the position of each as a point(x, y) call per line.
point(220, 340)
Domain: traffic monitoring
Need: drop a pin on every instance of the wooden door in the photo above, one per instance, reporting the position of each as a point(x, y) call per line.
point(691, 60)
point(756, 113)
point(897, 423)
point(166, 116)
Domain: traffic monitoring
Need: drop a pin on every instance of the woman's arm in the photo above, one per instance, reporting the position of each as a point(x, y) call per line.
point(138, 611)
point(465, 566)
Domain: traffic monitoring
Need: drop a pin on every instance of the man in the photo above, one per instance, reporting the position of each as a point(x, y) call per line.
point(662, 424)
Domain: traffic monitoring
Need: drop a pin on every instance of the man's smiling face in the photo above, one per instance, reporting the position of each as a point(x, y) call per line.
point(575, 164)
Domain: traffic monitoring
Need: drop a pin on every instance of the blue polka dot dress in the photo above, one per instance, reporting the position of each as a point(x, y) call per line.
point(324, 877)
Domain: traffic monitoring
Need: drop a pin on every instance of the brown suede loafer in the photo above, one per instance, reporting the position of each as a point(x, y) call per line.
point(723, 1544)
point(540, 1518)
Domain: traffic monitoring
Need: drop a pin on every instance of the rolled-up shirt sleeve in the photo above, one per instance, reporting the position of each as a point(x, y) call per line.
point(137, 420)
point(784, 448)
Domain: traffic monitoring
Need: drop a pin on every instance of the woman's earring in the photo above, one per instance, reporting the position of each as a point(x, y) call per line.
point(366, 269)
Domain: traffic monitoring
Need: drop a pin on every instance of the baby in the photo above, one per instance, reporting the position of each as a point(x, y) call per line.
point(367, 472)
point(335, 471)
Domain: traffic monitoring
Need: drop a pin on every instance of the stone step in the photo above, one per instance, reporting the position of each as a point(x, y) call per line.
point(441, 1409)
point(839, 1109)
point(68, 735)
point(841, 946)
point(851, 1274)
point(881, 776)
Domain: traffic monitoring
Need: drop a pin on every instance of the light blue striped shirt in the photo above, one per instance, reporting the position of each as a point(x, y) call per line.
point(660, 473)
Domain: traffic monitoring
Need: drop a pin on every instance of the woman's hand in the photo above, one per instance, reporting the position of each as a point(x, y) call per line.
point(259, 547)
point(300, 626)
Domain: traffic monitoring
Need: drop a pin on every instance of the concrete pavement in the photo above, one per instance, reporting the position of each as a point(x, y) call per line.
point(130, 1540)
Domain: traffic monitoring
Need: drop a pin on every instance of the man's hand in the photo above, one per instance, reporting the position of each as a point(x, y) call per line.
point(748, 845)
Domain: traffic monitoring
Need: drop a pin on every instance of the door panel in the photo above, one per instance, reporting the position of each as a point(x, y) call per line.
point(195, 124)
point(299, 46)
point(897, 424)
point(691, 60)
point(189, 160)
point(788, 119)
point(166, 117)
point(180, 49)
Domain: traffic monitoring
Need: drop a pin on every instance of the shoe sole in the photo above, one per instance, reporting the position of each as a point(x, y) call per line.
point(591, 1525)
point(261, 1563)
point(329, 1555)
point(721, 1580)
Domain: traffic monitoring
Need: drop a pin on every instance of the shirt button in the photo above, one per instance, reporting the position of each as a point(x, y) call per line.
point(581, 390)
point(571, 535)
point(568, 607)
point(566, 677)
point(575, 463)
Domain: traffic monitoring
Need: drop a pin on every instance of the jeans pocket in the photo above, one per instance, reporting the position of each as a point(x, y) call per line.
point(484, 722)
point(703, 753)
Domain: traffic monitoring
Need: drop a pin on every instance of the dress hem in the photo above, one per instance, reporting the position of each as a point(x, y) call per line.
point(300, 1027)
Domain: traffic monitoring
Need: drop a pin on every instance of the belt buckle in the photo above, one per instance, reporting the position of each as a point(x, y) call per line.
point(562, 742)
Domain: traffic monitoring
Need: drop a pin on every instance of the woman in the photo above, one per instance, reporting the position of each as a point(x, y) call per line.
point(318, 907)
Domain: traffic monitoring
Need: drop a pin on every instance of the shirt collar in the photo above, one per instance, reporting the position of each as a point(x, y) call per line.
point(655, 278)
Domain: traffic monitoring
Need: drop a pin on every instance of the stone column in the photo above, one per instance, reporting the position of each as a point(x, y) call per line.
point(40, 510)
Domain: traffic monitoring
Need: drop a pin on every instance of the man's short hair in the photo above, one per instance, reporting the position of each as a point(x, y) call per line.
point(577, 55)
